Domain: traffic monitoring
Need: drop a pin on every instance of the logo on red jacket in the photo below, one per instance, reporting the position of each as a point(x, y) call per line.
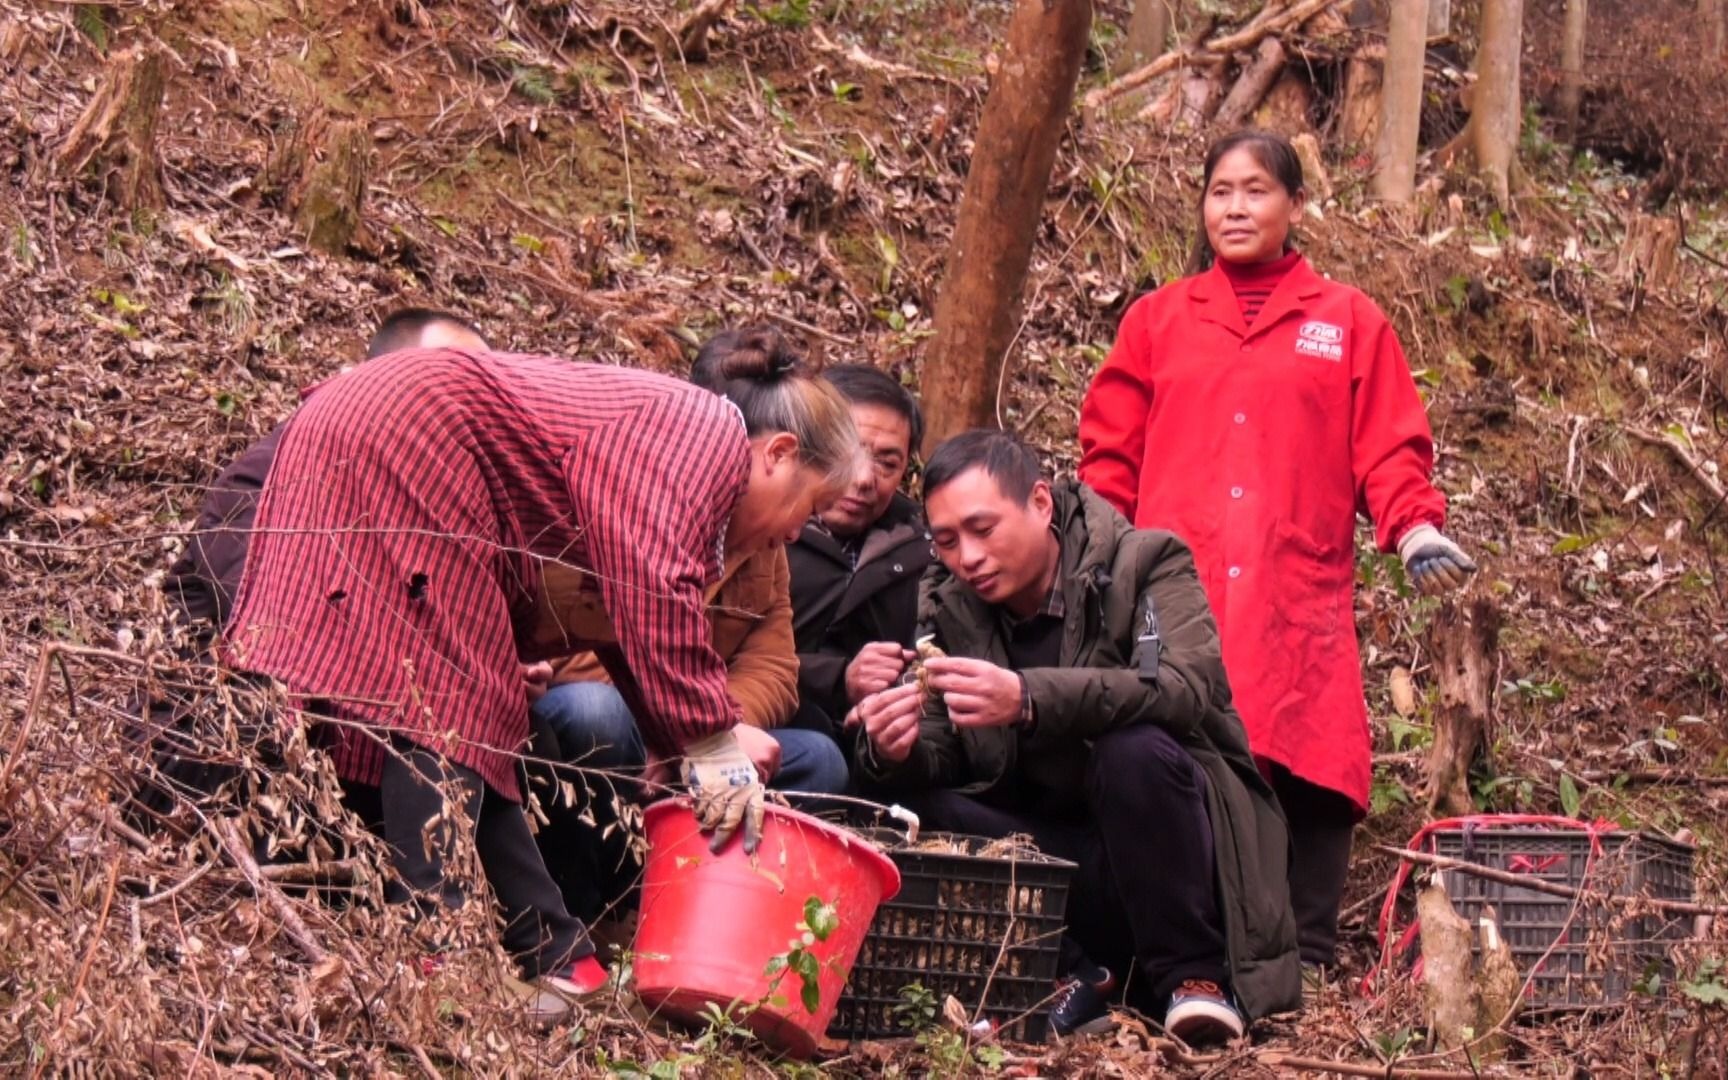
point(1321, 340)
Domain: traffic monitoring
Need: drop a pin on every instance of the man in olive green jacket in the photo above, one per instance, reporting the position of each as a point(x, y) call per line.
point(1083, 700)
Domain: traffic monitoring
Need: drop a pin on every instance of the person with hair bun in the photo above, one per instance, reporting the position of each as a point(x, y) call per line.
point(1255, 408)
point(399, 575)
point(584, 720)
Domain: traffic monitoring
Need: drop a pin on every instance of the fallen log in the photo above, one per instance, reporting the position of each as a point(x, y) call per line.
point(1253, 84)
point(1246, 38)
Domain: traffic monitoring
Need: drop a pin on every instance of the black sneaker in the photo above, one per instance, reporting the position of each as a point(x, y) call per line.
point(1082, 1002)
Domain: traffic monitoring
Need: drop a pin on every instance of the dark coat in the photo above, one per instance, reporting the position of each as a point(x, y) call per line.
point(205, 579)
point(1112, 574)
point(837, 610)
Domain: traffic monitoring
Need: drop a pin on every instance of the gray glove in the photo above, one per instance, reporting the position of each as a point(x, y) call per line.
point(728, 793)
point(1433, 562)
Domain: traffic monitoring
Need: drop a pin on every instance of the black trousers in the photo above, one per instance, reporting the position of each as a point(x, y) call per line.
point(538, 931)
point(585, 840)
point(1321, 824)
point(1145, 896)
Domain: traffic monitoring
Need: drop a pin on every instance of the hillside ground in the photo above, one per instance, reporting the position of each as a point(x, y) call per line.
point(561, 174)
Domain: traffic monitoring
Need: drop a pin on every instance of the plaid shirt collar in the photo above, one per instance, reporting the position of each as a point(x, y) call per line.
point(1055, 605)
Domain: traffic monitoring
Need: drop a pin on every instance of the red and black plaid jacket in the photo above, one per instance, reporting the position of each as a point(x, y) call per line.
point(402, 529)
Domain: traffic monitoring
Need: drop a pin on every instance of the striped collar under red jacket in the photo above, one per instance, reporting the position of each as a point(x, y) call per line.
point(400, 538)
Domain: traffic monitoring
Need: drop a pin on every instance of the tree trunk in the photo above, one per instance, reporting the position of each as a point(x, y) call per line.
point(1649, 255)
point(329, 201)
point(1251, 86)
point(1024, 116)
point(1148, 31)
point(1401, 102)
point(1464, 641)
point(1715, 16)
point(1439, 19)
point(115, 136)
point(1495, 111)
point(1571, 95)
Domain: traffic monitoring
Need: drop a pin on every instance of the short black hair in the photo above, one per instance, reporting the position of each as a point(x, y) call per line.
point(1010, 462)
point(862, 384)
point(402, 328)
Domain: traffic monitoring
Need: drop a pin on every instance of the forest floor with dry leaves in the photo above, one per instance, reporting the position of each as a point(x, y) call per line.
point(562, 175)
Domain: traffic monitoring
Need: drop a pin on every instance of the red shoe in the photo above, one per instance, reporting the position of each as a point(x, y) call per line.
point(577, 979)
point(432, 964)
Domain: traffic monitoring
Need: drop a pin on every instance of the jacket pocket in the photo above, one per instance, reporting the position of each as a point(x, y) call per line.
point(1312, 589)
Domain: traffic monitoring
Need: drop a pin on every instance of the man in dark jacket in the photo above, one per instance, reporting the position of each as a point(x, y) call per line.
point(855, 569)
point(1083, 700)
point(205, 580)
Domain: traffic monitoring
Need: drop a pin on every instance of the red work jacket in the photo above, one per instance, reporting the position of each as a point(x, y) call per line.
point(1259, 445)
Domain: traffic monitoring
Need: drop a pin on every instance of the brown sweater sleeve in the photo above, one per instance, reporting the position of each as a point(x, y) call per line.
point(762, 671)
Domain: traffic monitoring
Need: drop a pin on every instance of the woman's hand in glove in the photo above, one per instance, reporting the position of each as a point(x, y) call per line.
point(1434, 562)
point(723, 781)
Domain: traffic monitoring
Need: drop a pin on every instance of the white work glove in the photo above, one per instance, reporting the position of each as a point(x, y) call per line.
point(1433, 562)
point(723, 781)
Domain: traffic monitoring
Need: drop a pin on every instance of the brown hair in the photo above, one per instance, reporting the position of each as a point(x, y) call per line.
point(756, 369)
point(1271, 152)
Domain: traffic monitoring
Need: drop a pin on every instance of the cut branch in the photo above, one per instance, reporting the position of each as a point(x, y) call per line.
point(693, 31)
point(267, 891)
point(1685, 456)
point(1536, 884)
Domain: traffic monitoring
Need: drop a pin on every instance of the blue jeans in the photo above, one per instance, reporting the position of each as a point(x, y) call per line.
point(595, 730)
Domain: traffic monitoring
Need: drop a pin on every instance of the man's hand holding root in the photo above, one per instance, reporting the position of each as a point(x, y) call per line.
point(890, 719)
point(728, 792)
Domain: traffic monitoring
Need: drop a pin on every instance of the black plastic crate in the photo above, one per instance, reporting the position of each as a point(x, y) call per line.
point(980, 926)
point(1591, 956)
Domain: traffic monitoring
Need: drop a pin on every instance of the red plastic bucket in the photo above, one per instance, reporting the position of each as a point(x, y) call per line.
point(710, 924)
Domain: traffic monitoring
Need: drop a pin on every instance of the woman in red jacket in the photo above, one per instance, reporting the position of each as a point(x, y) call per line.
point(1254, 408)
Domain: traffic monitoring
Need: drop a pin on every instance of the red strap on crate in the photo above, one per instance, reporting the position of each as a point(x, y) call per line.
point(1425, 836)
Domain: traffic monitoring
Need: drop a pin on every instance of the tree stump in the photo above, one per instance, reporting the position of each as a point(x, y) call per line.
point(329, 200)
point(292, 158)
point(1287, 108)
point(1650, 254)
point(1448, 975)
point(115, 137)
point(1499, 988)
point(1464, 641)
point(1314, 175)
point(1359, 113)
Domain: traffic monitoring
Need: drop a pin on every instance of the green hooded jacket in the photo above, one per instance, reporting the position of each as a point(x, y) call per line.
point(1111, 574)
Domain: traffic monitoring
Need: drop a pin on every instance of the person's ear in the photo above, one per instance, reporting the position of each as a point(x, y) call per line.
point(779, 449)
point(1042, 503)
point(1298, 204)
